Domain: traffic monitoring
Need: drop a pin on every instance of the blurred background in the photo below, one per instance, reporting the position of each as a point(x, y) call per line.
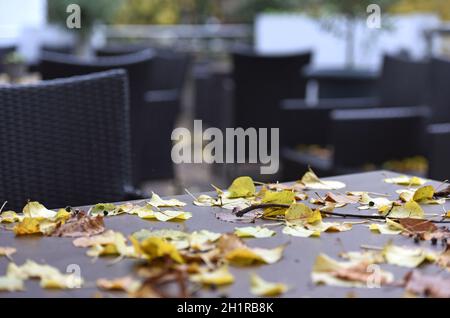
point(353, 85)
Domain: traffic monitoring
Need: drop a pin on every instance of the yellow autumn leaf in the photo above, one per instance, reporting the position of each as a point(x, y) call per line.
point(11, 284)
point(371, 257)
point(37, 210)
point(206, 200)
point(254, 231)
point(241, 187)
point(157, 202)
point(202, 240)
point(218, 277)
point(300, 231)
point(115, 245)
point(277, 197)
point(260, 287)
point(10, 217)
point(50, 276)
point(303, 213)
point(243, 256)
point(389, 227)
point(406, 257)
point(311, 181)
point(423, 193)
point(406, 181)
point(28, 226)
point(147, 213)
point(410, 209)
point(107, 237)
point(126, 284)
point(155, 247)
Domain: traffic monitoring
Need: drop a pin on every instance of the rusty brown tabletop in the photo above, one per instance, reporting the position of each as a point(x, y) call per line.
point(294, 268)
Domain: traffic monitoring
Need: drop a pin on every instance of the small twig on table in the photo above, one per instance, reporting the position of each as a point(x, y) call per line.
point(242, 212)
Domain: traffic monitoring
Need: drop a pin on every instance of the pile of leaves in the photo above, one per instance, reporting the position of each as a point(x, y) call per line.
point(191, 261)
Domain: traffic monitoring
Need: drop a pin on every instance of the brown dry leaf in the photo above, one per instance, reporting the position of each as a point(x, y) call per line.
point(126, 284)
point(426, 285)
point(7, 251)
point(348, 274)
point(105, 238)
point(80, 225)
point(418, 226)
point(296, 187)
point(340, 198)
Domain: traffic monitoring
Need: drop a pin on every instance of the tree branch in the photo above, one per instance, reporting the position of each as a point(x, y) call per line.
point(241, 213)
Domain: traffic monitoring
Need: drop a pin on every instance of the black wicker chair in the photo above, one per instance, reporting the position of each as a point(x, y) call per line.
point(163, 97)
point(261, 82)
point(439, 131)
point(66, 142)
point(403, 83)
point(138, 66)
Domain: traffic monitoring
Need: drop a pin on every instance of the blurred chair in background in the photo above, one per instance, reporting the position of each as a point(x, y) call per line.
point(138, 66)
point(4, 51)
point(62, 148)
point(438, 138)
point(403, 83)
point(164, 93)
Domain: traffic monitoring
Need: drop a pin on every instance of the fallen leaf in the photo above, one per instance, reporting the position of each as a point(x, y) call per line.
point(80, 225)
point(10, 217)
point(299, 212)
point(11, 284)
point(277, 197)
point(236, 252)
point(126, 284)
point(117, 246)
point(296, 187)
point(406, 181)
point(105, 238)
point(417, 226)
point(110, 209)
point(37, 210)
point(147, 213)
point(406, 257)
point(157, 202)
point(49, 276)
point(28, 226)
point(342, 199)
point(389, 227)
point(242, 187)
point(426, 285)
point(410, 209)
point(233, 218)
point(7, 251)
point(260, 287)
point(254, 231)
point(300, 231)
point(156, 248)
point(347, 274)
point(218, 277)
point(311, 181)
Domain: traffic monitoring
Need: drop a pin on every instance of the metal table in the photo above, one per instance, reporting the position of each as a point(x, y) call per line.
point(293, 269)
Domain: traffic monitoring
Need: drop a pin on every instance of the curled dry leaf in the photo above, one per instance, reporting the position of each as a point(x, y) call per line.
point(153, 248)
point(7, 251)
point(80, 225)
point(234, 250)
point(10, 217)
point(260, 287)
point(426, 285)
point(406, 181)
point(49, 276)
point(217, 277)
point(389, 227)
point(254, 231)
point(311, 181)
point(157, 202)
point(348, 274)
point(126, 284)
